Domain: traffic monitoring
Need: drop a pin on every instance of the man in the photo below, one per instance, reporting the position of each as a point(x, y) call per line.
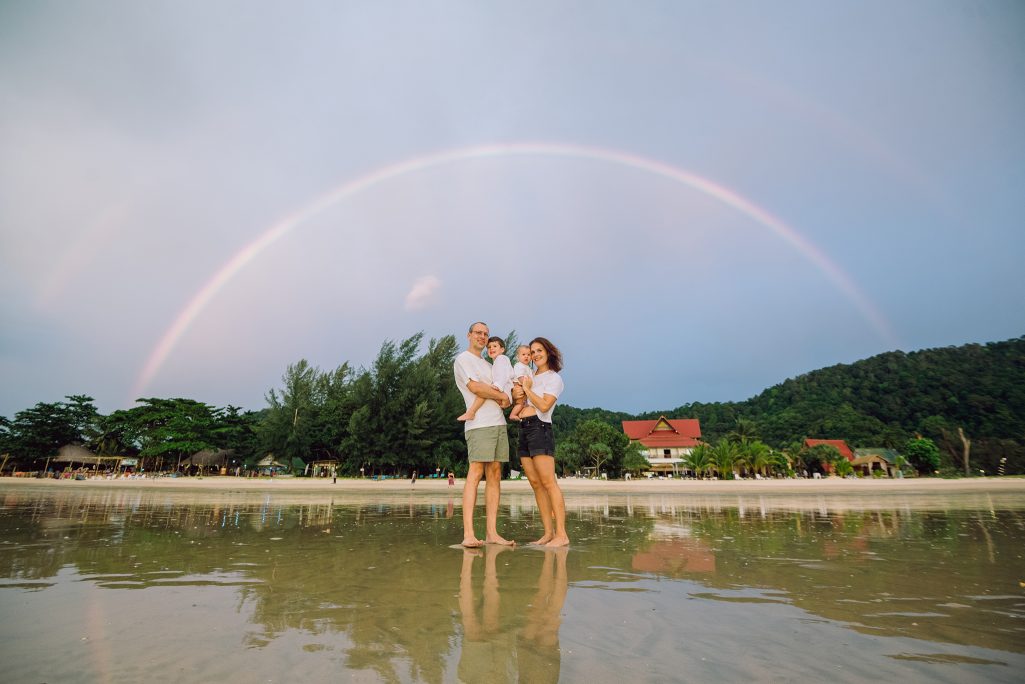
point(487, 442)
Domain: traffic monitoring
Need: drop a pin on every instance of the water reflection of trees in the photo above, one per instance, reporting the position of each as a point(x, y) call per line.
point(936, 575)
point(380, 584)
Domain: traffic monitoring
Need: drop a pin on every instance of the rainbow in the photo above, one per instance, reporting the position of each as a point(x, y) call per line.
point(268, 237)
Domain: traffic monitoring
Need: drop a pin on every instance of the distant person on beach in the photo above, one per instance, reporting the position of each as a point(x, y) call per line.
point(521, 369)
point(413, 481)
point(487, 442)
point(501, 375)
point(536, 447)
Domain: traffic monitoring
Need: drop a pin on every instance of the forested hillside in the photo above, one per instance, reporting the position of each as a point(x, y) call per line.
point(398, 414)
point(882, 401)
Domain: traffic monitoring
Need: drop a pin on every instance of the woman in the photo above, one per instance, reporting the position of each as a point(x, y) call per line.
point(537, 441)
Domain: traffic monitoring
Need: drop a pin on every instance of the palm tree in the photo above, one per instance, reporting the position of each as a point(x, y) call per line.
point(900, 462)
point(744, 430)
point(699, 460)
point(725, 456)
point(759, 456)
point(843, 467)
point(780, 463)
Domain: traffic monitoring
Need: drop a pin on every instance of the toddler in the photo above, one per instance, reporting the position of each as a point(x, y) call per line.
point(501, 375)
point(521, 368)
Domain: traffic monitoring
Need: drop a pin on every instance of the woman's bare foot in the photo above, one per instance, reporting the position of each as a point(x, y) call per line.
point(501, 541)
point(472, 543)
point(543, 540)
point(557, 542)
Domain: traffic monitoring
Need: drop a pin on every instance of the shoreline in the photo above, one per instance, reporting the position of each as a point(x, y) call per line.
point(570, 486)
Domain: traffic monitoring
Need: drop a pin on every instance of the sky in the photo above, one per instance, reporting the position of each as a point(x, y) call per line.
point(694, 201)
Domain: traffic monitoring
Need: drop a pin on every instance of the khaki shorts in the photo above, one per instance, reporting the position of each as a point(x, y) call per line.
point(487, 444)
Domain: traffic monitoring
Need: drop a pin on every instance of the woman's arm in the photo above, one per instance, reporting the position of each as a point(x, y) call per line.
point(543, 404)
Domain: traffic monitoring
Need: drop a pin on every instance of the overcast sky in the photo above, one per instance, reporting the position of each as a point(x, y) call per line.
point(695, 201)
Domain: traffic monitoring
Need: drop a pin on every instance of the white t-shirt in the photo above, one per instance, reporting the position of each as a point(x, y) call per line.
point(521, 369)
point(468, 367)
point(548, 382)
point(502, 373)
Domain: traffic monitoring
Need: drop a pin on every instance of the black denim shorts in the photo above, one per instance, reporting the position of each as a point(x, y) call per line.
point(536, 438)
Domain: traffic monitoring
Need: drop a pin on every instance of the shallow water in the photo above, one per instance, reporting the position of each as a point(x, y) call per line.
point(123, 585)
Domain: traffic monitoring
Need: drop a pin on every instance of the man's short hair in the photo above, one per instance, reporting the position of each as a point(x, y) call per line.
point(470, 330)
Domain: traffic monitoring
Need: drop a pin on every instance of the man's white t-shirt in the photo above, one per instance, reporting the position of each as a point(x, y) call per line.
point(548, 382)
point(468, 367)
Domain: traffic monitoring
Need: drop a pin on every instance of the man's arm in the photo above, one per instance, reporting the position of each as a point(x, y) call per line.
point(488, 392)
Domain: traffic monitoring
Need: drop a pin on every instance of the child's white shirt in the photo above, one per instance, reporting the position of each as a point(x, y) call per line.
point(502, 373)
point(521, 369)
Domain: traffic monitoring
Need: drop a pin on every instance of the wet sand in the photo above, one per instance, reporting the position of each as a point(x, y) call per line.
point(290, 580)
point(297, 485)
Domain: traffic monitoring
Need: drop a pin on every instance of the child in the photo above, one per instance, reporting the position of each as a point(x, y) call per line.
point(501, 375)
point(521, 368)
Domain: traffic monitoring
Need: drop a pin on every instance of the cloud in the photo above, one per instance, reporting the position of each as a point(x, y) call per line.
point(423, 293)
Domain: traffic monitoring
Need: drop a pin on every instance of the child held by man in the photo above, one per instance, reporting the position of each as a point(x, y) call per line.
point(501, 375)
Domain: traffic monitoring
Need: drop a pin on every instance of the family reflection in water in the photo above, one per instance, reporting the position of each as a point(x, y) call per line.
point(525, 648)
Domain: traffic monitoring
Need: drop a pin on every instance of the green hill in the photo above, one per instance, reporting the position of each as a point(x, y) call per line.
point(881, 401)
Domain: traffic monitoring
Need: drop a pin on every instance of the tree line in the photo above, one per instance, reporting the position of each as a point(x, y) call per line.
point(969, 400)
point(397, 415)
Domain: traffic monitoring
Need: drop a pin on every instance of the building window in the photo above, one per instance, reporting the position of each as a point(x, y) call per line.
point(665, 453)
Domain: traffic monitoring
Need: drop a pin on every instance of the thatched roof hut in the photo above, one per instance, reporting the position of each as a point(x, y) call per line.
point(76, 453)
point(269, 461)
point(210, 457)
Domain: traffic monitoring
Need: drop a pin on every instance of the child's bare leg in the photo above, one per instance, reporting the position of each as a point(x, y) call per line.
point(471, 412)
point(517, 407)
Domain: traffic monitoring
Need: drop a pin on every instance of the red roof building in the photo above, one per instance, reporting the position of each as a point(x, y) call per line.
point(667, 441)
point(839, 444)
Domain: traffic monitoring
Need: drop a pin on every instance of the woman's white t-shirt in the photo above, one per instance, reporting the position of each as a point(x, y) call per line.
point(548, 382)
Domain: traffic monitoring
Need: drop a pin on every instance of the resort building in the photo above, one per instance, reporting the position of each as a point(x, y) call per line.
point(838, 444)
point(667, 442)
point(867, 461)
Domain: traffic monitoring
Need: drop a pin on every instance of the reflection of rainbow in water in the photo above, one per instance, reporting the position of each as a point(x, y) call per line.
point(761, 217)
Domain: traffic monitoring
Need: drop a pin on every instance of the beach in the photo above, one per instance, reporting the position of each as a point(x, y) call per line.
point(284, 579)
point(570, 485)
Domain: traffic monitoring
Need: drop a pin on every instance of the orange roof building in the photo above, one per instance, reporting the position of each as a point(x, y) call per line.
point(667, 442)
point(839, 444)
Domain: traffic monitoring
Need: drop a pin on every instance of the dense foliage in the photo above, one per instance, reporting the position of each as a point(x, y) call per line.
point(882, 401)
point(935, 406)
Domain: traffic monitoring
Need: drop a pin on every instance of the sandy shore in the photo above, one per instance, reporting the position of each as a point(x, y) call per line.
point(1003, 485)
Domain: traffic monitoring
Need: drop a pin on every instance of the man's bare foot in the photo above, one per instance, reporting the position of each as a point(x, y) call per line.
point(501, 541)
point(472, 543)
point(557, 542)
point(467, 416)
point(543, 540)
